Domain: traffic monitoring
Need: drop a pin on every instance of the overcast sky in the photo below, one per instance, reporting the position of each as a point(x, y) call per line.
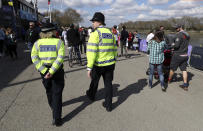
point(117, 11)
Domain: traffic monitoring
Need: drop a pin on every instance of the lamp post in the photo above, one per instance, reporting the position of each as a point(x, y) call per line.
point(49, 3)
point(0, 3)
point(35, 8)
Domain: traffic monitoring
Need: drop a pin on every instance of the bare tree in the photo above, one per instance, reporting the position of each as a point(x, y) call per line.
point(67, 17)
point(190, 23)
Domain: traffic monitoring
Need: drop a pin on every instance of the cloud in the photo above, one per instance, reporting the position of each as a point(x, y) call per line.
point(86, 3)
point(117, 11)
point(123, 2)
point(123, 10)
point(196, 12)
point(148, 17)
point(73, 3)
point(157, 2)
point(127, 8)
point(82, 12)
point(184, 4)
point(142, 17)
point(108, 1)
point(163, 13)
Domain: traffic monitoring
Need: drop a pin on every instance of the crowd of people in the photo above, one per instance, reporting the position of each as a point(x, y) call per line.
point(74, 37)
point(8, 43)
point(126, 41)
point(158, 43)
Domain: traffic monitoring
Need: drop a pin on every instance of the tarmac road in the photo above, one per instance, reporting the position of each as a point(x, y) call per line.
point(24, 107)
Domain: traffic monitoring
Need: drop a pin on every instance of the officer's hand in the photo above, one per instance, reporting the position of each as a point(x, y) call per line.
point(89, 74)
point(48, 75)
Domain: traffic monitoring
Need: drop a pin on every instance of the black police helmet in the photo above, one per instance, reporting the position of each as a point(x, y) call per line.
point(98, 16)
point(46, 27)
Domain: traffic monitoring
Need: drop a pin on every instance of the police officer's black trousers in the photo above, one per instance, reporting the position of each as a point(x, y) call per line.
point(1, 46)
point(54, 88)
point(12, 50)
point(107, 73)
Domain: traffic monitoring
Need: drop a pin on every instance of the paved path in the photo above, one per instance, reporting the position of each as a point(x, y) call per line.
point(24, 107)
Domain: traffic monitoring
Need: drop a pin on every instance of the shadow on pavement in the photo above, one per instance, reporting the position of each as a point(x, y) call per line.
point(131, 56)
point(11, 68)
point(26, 81)
point(129, 90)
point(121, 94)
point(177, 77)
point(22, 65)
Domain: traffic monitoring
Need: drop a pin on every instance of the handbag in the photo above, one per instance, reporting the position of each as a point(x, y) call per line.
point(135, 40)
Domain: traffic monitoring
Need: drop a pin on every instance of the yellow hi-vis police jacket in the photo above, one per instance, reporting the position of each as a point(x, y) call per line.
point(101, 48)
point(50, 52)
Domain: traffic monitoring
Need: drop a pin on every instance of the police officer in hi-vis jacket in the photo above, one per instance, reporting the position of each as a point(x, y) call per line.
point(101, 59)
point(48, 56)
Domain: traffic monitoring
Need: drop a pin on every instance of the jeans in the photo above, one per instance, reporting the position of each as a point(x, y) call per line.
point(160, 72)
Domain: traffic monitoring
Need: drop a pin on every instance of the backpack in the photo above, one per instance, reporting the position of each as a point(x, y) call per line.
point(135, 40)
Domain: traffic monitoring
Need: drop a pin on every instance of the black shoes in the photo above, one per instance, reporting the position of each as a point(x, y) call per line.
point(184, 86)
point(104, 104)
point(163, 89)
point(108, 109)
point(89, 96)
point(57, 122)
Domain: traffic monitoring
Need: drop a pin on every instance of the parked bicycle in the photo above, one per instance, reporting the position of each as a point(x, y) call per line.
point(74, 55)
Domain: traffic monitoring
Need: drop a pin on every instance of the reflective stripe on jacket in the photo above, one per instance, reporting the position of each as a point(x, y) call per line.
point(50, 52)
point(101, 48)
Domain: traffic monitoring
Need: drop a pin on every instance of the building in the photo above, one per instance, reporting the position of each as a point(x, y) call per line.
point(17, 15)
point(6, 13)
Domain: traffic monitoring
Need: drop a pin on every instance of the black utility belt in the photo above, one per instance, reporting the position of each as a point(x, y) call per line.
point(49, 66)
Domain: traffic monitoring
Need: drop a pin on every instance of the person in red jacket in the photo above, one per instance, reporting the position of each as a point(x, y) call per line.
point(130, 40)
point(116, 33)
